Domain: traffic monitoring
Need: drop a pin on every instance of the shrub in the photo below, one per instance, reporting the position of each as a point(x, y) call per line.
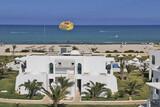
point(129, 51)
point(93, 49)
point(121, 93)
point(38, 51)
point(75, 48)
point(116, 51)
point(107, 51)
point(7, 50)
point(24, 50)
point(141, 52)
point(116, 95)
point(109, 55)
point(109, 93)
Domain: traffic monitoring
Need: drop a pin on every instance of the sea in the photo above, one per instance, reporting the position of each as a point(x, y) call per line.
point(101, 34)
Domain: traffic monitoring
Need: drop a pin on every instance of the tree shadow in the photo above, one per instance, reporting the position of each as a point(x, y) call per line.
point(59, 105)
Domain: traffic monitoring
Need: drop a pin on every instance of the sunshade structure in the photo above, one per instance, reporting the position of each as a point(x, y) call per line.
point(135, 59)
point(139, 56)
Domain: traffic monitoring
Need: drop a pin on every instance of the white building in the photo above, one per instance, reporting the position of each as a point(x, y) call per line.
point(78, 68)
point(155, 78)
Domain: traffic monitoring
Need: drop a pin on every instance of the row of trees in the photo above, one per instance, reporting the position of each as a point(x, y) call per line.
point(143, 69)
point(3, 65)
point(13, 49)
point(58, 90)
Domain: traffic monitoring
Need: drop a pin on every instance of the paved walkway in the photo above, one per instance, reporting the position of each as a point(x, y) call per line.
point(45, 100)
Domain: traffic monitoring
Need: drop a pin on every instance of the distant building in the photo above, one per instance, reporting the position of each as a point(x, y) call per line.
point(154, 100)
point(75, 66)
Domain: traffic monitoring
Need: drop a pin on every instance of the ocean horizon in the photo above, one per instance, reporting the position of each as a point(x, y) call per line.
point(50, 34)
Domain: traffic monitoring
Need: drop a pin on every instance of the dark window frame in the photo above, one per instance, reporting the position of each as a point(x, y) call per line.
point(51, 68)
point(153, 59)
point(79, 68)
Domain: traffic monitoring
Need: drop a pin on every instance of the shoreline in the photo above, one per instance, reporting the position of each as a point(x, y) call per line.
point(81, 43)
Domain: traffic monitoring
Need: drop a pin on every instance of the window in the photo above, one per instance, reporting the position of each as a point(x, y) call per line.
point(59, 63)
point(79, 68)
point(79, 84)
point(152, 74)
point(51, 68)
point(51, 81)
point(72, 63)
point(156, 79)
point(22, 67)
point(153, 59)
point(108, 68)
point(157, 91)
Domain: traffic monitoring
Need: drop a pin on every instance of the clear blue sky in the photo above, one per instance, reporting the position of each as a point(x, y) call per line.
point(84, 12)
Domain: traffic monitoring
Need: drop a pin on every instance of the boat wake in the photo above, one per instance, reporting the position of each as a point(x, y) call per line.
point(18, 32)
point(116, 36)
point(103, 31)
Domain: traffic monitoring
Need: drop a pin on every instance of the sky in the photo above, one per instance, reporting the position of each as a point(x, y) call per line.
point(81, 12)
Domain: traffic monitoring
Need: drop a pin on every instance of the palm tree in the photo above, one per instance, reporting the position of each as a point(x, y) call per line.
point(64, 82)
point(122, 66)
point(58, 91)
point(144, 69)
point(1, 68)
point(74, 48)
point(94, 49)
point(133, 88)
point(94, 90)
point(13, 47)
point(3, 64)
point(32, 87)
point(129, 68)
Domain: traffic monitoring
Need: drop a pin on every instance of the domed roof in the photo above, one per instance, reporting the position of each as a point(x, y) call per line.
point(75, 52)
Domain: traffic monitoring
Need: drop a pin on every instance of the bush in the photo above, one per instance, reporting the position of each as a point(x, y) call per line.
point(109, 93)
point(116, 95)
point(24, 50)
point(121, 93)
point(41, 51)
point(116, 51)
point(7, 50)
point(109, 55)
point(75, 48)
point(129, 51)
point(108, 52)
point(141, 52)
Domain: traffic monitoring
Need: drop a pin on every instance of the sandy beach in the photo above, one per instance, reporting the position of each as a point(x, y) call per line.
point(85, 48)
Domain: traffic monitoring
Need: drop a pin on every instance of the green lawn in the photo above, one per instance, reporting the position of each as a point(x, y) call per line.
point(22, 105)
point(7, 82)
point(135, 75)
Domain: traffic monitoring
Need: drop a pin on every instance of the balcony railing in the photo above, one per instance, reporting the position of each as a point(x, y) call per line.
point(64, 70)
